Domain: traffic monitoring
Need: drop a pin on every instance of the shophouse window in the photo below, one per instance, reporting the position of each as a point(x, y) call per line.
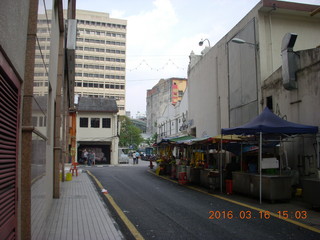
point(95, 122)
point(84, 122)
point(106, 122)
point(270, 103)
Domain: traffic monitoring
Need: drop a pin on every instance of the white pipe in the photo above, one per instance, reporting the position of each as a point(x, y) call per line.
point(260, 167)
point(221, 163)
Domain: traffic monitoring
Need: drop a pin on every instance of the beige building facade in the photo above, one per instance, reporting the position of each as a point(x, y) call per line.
point(100, 60)
point(165, 92)
point(101, 57)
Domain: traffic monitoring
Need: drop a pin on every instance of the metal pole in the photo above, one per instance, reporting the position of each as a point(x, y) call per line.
point(260, 167)
point(241, 158)
point(221, 164)
point(318, 149)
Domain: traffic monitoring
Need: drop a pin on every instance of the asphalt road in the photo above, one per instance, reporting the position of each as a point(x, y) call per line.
point(161, 209)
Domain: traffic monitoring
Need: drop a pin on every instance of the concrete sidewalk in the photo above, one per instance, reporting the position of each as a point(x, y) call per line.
point(80, 213)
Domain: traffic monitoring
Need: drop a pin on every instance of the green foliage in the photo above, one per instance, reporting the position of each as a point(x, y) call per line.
point(130, 135)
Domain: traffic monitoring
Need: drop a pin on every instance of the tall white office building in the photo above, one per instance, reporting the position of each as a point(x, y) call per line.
point(100, 64)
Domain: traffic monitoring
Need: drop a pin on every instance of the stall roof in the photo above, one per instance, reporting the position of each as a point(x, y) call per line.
point(189, 140)
point(268, 122)
point(175, 139)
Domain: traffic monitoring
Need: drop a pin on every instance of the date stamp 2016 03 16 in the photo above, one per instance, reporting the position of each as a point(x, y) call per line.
point(248, 214)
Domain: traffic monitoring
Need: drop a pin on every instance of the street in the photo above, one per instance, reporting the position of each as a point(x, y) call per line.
point(161, 209)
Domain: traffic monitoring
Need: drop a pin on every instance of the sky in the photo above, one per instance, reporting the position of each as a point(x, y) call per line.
point(162, 33)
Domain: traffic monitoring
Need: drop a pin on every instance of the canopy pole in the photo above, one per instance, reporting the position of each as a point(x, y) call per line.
point(318, 150)
point(260, 167)
point(221, 163)
point(241, 158)
point(280, 158)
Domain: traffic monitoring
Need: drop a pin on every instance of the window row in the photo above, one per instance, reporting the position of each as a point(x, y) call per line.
point(40, 74)
point(95, 75)
point(103, 24)
point(96, 58)
point(101, 33)
point(100, 67)
point(40, 84)
point(99, 85)
point(101, 41)
point(95, 122)
point(101, 50)
point(39, 121)
point(101, 95)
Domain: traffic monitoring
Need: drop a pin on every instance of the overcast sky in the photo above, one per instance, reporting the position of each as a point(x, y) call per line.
point(162, 33)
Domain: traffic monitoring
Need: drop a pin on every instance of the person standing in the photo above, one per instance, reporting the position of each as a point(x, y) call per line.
point(134, 158)
point(85, 156)
point(90, 155)
point(137, 157)
point(93, 158)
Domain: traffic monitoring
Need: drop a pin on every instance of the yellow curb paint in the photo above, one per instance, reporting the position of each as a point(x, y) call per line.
point(248, 206)
point(134, 231)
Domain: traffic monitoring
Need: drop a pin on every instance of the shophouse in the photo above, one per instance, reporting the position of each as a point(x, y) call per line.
point(227, 77)
point(174, 120)
point(97, 129)
point(31, 133)
point(165, 92)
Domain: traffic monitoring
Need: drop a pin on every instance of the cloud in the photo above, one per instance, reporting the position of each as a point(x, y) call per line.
point(148, 30)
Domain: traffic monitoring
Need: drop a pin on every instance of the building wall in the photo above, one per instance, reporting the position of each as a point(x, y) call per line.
point(105, 136)
point(159, 97)
point(174, 120)
point(100, 57)
point(227, 77)
point(13, 35)
point(298, 105)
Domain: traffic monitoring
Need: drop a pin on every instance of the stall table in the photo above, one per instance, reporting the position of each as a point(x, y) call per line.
point(310, 191)
point(274, 187)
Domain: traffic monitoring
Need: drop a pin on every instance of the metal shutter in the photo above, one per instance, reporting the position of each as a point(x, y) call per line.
point(9, 104)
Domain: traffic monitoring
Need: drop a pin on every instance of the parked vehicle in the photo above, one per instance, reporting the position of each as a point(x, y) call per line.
point(123, 158)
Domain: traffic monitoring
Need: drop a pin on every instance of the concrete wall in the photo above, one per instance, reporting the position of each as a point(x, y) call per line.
point(299, 105)
point(13, 31)
point(224, 90)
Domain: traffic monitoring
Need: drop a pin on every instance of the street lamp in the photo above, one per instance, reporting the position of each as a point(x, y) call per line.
point(241, 41)
point(202, 41)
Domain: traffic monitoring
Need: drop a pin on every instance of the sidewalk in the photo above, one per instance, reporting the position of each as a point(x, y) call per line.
point(80, 213)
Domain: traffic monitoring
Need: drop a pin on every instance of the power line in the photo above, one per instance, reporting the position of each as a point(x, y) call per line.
point(146, 63)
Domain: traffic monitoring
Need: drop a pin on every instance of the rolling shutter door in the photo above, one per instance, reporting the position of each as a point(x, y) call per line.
point(9, 105)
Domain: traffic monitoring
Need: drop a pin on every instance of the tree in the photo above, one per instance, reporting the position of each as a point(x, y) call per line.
point(130, 135)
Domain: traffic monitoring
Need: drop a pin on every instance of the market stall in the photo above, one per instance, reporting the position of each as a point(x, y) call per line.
point(269, 126)
point(201, 159)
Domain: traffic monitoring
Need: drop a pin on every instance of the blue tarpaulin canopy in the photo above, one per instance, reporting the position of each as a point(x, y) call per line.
point(268, 122)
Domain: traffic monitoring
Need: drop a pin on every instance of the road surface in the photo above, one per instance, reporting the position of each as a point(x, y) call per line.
point(161, 209)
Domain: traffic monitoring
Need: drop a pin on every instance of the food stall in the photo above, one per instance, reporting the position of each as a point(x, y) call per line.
point(264, 185)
